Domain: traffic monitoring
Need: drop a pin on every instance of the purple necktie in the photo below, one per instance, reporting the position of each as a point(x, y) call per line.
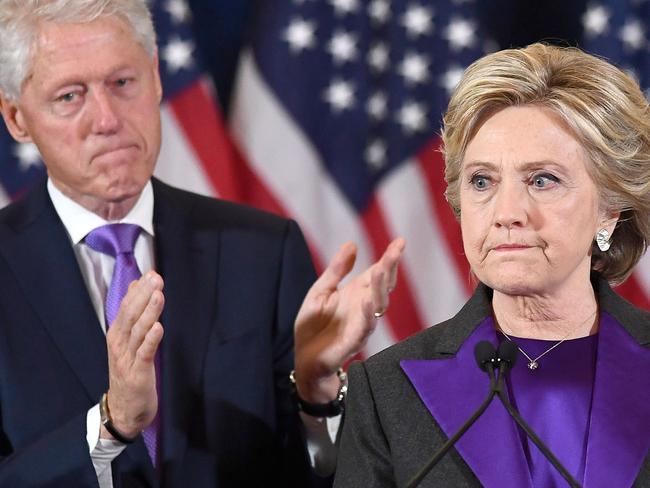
point(118, 240)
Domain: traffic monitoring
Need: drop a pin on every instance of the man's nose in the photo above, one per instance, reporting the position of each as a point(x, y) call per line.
point(105, 118)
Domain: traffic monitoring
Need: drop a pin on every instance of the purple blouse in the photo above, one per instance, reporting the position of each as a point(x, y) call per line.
point(555, 400)
point(590, 407)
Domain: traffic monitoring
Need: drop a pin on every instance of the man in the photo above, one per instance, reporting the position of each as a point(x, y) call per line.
point(210, 404)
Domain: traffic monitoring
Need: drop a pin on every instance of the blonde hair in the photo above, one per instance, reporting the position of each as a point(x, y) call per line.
point(20, 20)
point(603, 106)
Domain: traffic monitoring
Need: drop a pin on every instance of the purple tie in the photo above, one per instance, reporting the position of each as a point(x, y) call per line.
point(118, 240)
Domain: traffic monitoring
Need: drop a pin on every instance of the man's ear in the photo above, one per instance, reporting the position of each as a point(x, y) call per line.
point(156, 75)
point(14, 120)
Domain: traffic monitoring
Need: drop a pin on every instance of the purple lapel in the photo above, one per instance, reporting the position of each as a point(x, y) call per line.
point(452, 389)
point(619, 432)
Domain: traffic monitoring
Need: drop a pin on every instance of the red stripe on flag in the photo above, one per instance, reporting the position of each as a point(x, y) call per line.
point(433, 167)
point(230, 174)
point(402, 314)
point(199, 117)
point(633, 292)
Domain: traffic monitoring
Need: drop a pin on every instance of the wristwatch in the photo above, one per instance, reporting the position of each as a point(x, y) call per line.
point(329, 409)
point(105, 415)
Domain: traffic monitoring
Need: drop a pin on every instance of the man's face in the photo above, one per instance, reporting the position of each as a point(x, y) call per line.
point(91, 105)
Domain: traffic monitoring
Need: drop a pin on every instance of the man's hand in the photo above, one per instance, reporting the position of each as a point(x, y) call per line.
point(334, 323)
point(132, 341)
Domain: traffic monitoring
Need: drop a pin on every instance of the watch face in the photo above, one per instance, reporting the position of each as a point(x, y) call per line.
point(103, 410)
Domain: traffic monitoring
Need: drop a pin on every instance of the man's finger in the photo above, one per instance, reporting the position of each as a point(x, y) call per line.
point(134, 303)
point(149, 317)
point(147, 350)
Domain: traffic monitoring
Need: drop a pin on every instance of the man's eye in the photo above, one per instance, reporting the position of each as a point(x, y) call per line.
point(67, 97)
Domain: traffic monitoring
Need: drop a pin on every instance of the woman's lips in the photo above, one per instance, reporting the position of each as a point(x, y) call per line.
point(511, 247)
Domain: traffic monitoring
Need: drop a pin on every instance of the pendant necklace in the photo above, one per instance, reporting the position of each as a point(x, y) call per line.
point(533, 363)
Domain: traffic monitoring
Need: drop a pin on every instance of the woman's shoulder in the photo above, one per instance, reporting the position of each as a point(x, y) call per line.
point(422, 345)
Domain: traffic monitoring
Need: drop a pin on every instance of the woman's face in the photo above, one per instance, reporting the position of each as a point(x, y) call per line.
point(529, 209)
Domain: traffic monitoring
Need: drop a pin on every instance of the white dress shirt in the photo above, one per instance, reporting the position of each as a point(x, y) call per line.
point(97, 271)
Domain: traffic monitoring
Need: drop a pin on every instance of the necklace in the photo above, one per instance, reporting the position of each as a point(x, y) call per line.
point(533, 364)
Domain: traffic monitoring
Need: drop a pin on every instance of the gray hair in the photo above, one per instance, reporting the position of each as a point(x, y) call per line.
point(20, 19)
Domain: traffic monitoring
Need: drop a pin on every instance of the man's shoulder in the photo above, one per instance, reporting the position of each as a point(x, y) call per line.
point(209, 211)
point(24, 209)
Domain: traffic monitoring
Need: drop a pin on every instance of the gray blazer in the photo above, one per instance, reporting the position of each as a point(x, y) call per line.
point(390, 432)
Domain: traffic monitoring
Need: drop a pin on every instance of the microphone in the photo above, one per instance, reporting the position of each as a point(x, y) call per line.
point(507, 356)
point(486, 359)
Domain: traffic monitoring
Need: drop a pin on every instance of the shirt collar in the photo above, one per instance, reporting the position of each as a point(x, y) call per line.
point(79, 221)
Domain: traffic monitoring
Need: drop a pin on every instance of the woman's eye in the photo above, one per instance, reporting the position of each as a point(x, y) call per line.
point(543, 180)
point(480, 182)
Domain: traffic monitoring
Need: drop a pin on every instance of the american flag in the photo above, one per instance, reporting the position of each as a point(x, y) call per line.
point(338, 108)
point(618, 30)
point(337, 114)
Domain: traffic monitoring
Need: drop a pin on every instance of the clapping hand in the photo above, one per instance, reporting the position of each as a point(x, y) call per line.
point(334, 322)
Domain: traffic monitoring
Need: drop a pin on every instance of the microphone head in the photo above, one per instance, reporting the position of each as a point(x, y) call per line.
point(484, 353)
point(507, 354)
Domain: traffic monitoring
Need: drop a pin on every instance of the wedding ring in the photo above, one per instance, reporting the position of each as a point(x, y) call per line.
point(379, 314)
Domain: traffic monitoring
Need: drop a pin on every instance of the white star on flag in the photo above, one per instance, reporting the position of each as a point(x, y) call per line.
point(300, 35)
point(27, 155)
point(596, 20)
point(451, 78)
point(418, 20)
point(178, 10)
point(376, 154)
point(378, 57)
point(340, 95)
point(460, 33)
point(379, 11)
point(412, 117)
point(414, 68)
point(377, 106)
point(178, 54)
point(632, 34)
point(343, 47)
point(343, 7)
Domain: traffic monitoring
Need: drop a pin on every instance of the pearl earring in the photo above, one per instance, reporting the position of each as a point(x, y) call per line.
point(602, 239)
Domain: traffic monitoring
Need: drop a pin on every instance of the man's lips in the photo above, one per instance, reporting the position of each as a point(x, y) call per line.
point(114, 151)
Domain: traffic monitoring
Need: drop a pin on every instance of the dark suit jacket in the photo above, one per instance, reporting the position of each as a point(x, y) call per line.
point(234, 280)
point(393, 425)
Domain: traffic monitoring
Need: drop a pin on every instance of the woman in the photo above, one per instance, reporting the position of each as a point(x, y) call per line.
point(548, 169)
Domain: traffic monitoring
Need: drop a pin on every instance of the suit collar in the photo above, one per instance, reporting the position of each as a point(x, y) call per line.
point(452, 387)
point(52, 282)
point(619, 431)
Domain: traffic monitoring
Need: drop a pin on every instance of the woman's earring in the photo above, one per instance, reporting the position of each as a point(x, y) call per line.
point(602, 239)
